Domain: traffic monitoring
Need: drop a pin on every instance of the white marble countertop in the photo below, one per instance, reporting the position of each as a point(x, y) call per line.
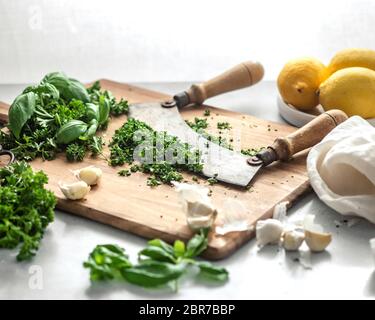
point(346, 270)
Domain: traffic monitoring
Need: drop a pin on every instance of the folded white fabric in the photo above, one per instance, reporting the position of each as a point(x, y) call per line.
point(342, 169)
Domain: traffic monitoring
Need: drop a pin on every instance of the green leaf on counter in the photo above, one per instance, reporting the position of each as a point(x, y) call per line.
point(153, 273)
point(107, 262)
point(211, 272)
point(179, 248)
point(160, 264)
point(197, 244)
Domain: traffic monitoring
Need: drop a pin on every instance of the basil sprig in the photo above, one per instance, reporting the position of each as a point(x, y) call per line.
point(159, 264)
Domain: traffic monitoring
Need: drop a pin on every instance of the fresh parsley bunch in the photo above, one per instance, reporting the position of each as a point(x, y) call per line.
point(159, 264)
point(59, 114)
point(26, 208)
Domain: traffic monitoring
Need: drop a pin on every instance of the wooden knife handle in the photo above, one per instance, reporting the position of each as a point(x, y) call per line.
point(309, 135)
point(242, 75)
point(304, 138)
point(4, 108)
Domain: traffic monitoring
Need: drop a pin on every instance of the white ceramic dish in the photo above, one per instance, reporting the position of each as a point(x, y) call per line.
point(299, 118)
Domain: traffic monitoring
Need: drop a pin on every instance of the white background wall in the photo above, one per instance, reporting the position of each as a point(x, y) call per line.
point(172, 40)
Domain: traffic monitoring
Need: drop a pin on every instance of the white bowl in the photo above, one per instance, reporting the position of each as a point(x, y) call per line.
point(300, 118)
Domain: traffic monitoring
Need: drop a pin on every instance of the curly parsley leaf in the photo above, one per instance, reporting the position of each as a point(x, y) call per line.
point(26, 208)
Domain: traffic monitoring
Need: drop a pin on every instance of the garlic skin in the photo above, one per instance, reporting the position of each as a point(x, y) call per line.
point(293, 239)
point(74, 191)
point(269, 231)
point(316, 239)
point(233, 217)
point(91, 175)
point(279, 212)
point(197, 205)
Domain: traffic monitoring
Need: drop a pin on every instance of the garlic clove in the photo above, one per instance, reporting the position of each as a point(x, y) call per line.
point(74, 191)
point(316, 239)
point(317, 242)
point(91, 175)
point(293, 239)
point(268, 231)
point(200, 215)
point(197, 205)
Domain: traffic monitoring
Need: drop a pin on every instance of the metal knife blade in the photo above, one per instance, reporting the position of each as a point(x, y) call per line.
point(223, 164)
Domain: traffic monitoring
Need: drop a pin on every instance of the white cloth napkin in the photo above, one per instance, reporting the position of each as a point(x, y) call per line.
point(341, 169)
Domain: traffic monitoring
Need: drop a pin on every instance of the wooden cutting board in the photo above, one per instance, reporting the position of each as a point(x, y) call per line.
point(129, 204)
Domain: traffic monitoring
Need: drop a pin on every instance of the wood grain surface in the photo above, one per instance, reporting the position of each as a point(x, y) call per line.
point(129, 204)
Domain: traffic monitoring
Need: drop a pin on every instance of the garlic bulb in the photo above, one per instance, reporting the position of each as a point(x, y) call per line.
point(316, 239)
point(74, 191)
point(293, 239)
point(197, 205)
point(268, 231)
point(91, 175)
point(232, 217)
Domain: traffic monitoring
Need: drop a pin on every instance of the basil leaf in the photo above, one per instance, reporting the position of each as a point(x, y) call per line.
point(104, 107)
point(45, 89)
point(70, 131)
point(158, 254)
point(21, 110)
point(211, 272)
point(197, 244)
point(69, 88)
point(76, 90)
point(106, 262)
point(161, 244)
point(179, 248)
point(92, 112)
point(93, 126)
point(153, 273)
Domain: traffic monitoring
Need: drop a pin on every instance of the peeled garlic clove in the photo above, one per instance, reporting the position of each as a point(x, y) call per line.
point(268, 231)
point(293, 239)
point(316, 239)
point(200, 215)
point(197, 205)
point(91, 175)
point(75, 191)
point(317, 242)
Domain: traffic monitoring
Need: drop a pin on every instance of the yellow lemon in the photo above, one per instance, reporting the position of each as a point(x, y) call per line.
point(355, 57)
point(351, 90)
point(299, 80)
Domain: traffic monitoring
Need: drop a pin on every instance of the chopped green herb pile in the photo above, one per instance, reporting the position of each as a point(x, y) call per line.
point(224, 126)
point(207, 113)
point(26, 208)
point(198, 124)
point(159, 264)
point(150, 150)
point(59, 114)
